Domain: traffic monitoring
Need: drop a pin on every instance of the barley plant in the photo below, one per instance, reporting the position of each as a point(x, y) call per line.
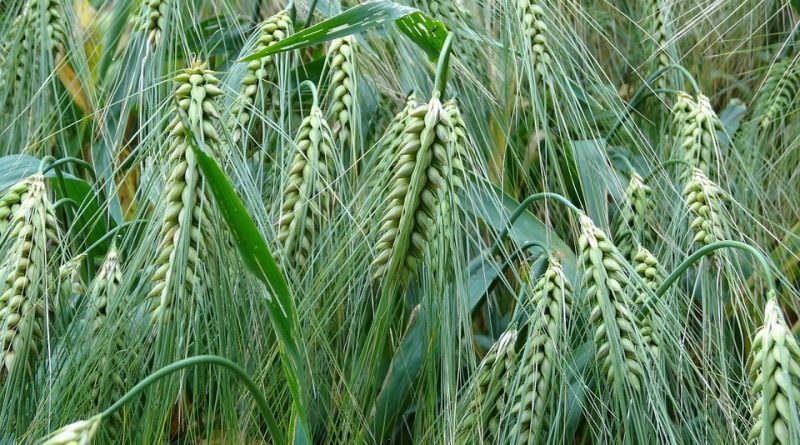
point(399, 222)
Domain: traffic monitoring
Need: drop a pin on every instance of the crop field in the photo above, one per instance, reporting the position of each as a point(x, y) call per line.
point(447, 222)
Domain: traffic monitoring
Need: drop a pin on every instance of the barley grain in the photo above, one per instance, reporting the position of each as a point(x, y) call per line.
point(153, 15)
point(697, 125)
point(342, 113)
point(535, 30)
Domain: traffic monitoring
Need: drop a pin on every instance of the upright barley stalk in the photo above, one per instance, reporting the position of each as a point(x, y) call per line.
point(697, 126)
point(631, 222)
point(617, 336)
point(260, 75)
point(342, 113)
point(308, 195)
point(705, 201)
point(548, 306)
point(485, 403)
point(25, 266)
point(775, 367)
point(423, 169)
point(186, 208)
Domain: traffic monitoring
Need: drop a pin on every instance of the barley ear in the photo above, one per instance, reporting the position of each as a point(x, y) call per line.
point(705, 201)
point(631, 221)
point(308, 194)
point(343, 99)
point(484, 404)
point(77, 433)
point(775, 368)
point(618, 342)
point(548, 305)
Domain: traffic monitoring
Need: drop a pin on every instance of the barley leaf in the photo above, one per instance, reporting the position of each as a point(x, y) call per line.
point(426, 32)
point(258, 258)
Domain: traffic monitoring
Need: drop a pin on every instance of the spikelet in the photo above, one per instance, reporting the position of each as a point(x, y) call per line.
point(548, 306)
point(530, 14)
point(420, 174)
point(775, 368)
point(107, 383)
point(77, 433)
point(705, 201)
point(9, 203)
point(186, 206)
point(697, 125)
point(779, 93)
point(631, 222)
point(485, 403)
point(650, 271)
point(152, 20)
point(390, 143)
point(343, 95)
point(260, 74)
point(25, 269)
point(308, 195)
point(658, 16)
point(616, 336)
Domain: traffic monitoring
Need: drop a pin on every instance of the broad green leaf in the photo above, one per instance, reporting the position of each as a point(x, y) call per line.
point(423, 30)
point(429, 34)
point(598, 180)
point(15, 168)
point(258, 259)
point(731, 118)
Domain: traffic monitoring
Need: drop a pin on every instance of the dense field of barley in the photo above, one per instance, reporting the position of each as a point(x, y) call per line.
point(415, 222)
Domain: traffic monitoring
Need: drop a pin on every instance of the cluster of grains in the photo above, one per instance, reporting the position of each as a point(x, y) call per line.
point(342, 86)
point(697, 125)
point(78, 433)
point(617, 336)
point(187, 206)
point(308, 195)
point(389, 144)
point(658, 16)
point(153, 20)
point(260, 74)
point(548, 304)
point(25, 272)
point(535, 30)
point(631, 222)
point(486, 403)
point(107, 381)
point(775, 366)
point(36, 15)
point(9, 203)
point(422, 180)
point(705, 201)
point(649, 270)
point(779, 93)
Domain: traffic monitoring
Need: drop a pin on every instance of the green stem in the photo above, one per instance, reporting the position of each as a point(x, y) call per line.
point(313, 88)
point(71, 160)
point(666, 164)
point(443, 67)
point(310, 13)
point(523, 207)
point(705, 250)
point(113, 232)
point(625, 161)
point(644, 90)
point(240, 373)
point(63, 201)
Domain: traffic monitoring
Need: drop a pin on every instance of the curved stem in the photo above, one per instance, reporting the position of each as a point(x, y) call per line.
point(625, 161)
point(240, 373)
point(313, 88)
point(666, 164)
point(71, 160)
point(524, 205)
point(63, 201)
point(642, 93)
point(443, 67)
point(705, 250)
point(310, 13)
point(49, 159)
